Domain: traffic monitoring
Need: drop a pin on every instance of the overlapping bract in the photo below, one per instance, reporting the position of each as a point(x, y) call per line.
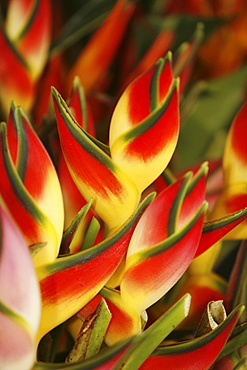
point(191, 354)
point(164, 241)
point(145, 124)
point(155, 242)
point(115, 197)
point(24, 43)
point(68, 283)
point(30, 187)
point(116, 183)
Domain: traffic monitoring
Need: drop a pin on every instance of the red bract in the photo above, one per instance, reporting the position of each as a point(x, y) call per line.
point(115, 196)
point(68, 283)
point(24, 45)
point(164, 241)
point(30, 187)
point(145, 124)
point(73, 199)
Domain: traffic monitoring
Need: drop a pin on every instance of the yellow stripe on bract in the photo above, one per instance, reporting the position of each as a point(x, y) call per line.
point(142, 173)
point(204, 263)
point(51, 202)
point(116, 208)
point(234, 169)
point(221, 209)
point(120, 121)
point(16, 19)
point(55, 314)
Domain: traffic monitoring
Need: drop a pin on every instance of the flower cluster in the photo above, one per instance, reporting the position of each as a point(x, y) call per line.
point(119, 203)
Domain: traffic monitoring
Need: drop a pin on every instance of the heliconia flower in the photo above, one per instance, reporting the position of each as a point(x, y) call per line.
point(68, 283)
point(145, 124)
point(28, 26)
point(115, 196)
point(96, 57)
point(16, 85)
point(165, 241)
point(197, 354)
point(20, 303)
point(30, 187)
point(24, 42)
point(234, 194)
point(121, 313)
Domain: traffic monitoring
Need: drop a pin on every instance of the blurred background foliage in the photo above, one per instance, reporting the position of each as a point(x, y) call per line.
point(217, 85)
point(216, 89)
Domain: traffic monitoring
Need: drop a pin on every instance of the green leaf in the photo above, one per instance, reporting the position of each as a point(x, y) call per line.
point(71, 230)
point(237, 340)
point(101, 359)
point(84, 21)
point(91, 335)
point(144, 344)
point(184, 26)
point(91, 234)
point(236, 292)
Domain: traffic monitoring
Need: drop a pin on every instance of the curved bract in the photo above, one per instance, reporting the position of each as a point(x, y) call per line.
point(115, 196)
point(30, 187)
point(145, 124)
point(165, 241)
point(69, 283)
point(191, 354)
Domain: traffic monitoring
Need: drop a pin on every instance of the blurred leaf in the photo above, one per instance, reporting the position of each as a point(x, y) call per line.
point(85, 20)
point(184, 26)
point(212, 114)
point(236, 292)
